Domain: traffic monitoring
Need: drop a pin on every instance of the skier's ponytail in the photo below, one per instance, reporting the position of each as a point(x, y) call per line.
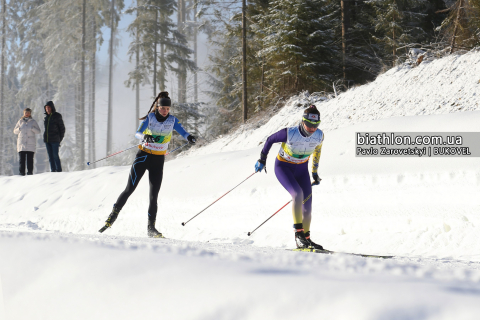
point(162, 95)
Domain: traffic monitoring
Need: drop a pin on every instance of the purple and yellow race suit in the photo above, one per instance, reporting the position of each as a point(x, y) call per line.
point(291, 168)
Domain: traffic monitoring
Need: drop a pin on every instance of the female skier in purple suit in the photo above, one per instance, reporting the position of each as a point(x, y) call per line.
point(291, 169)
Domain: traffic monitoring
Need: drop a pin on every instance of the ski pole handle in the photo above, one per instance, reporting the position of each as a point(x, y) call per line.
point(113, 154)
point(184, 223)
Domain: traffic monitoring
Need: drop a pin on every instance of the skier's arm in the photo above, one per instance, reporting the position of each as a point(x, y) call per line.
point(179, 128)
point(280, 136)
point(316, 157)
point(139, 134)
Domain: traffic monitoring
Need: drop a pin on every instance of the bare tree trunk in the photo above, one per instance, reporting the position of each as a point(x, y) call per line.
point(162, 70)
point(110, 79)
point(92, 93)
point(455, 30)
point(195, 55)
point(345, 27)
point(394, 46)
point(137, 82)
point(155, 56)
point(244, 59)
point(81, 111)
point(182, 75)
point(2, 90)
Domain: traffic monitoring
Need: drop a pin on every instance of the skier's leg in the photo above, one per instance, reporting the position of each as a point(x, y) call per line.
point(303, 178)
point(136, 173)
point(155, 175)
point(285, 175)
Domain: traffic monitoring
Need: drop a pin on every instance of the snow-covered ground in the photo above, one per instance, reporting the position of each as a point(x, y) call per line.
point(424, 211)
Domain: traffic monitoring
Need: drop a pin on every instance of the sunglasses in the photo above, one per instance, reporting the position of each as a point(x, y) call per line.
point(310, 123)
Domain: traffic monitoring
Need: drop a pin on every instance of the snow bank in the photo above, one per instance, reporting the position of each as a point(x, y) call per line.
point(447, 85)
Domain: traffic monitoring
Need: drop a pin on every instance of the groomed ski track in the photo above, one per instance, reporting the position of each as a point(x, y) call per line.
point(68, 276)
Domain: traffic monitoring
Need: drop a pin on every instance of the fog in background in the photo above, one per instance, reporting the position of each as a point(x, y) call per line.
point(123, 106)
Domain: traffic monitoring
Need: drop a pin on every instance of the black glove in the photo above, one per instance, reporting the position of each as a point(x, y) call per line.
point(191, 139)
point(316, 179)
point(148, 138)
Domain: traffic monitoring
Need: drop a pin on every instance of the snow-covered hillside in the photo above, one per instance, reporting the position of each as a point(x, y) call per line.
point(425, 211)
point(447, 85)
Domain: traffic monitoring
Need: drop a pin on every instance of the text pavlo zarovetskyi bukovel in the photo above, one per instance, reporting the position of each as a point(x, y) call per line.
point(419, 144)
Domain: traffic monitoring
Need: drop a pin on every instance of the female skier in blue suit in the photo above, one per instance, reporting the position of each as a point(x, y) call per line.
point(155, 132)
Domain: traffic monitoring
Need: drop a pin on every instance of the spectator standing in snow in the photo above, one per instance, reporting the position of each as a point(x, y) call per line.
point(53, 135)
point(26, 129)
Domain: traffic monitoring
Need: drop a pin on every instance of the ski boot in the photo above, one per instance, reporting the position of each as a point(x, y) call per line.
point(152, 232)
point(111, 219)
point(300, 240)
point(312, 244)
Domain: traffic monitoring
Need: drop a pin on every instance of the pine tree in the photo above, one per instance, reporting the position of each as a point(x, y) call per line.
point(362, 57)
point(397, 25)
point(299, 45)
point(162, 47)
point(462, 25)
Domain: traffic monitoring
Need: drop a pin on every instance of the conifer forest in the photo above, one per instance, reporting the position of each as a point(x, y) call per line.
point(259, 54)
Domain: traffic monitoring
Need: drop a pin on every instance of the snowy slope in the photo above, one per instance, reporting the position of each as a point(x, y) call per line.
point(447, 85)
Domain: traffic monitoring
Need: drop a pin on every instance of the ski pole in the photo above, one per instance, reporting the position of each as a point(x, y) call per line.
point(89, 163)
point(306, 199)
point(184, 223)
point(183, 145)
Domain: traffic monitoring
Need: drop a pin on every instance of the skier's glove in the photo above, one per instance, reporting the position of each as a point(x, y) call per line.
point(316, 179)
point(148, 138)
point(191, 139)
point(260, 165)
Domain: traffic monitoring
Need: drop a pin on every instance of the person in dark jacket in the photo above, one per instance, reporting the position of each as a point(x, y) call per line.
point(53, 135)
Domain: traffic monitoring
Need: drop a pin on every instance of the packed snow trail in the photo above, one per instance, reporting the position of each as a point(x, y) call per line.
point(65, 276)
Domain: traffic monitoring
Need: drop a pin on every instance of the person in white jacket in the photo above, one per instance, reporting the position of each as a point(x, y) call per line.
point(26, 129)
